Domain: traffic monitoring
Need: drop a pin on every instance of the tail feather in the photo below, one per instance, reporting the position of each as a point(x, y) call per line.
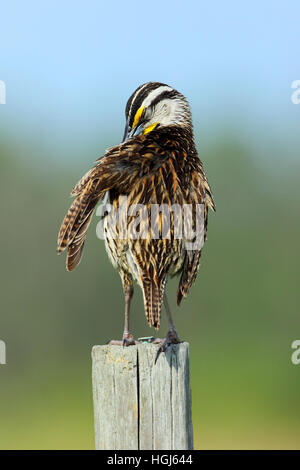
point(153, 296)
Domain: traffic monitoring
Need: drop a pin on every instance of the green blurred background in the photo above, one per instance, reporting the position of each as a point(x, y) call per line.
point(66, 94)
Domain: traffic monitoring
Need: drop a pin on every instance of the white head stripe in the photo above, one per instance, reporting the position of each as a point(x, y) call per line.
point(135, 95)
point(153, 94)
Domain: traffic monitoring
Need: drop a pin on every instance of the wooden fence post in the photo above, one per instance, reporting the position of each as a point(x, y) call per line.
point(139, 404)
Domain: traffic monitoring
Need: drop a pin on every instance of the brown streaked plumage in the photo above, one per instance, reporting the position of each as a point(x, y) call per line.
point(158, 166)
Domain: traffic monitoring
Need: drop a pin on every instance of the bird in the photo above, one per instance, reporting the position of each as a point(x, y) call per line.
point(155, 165)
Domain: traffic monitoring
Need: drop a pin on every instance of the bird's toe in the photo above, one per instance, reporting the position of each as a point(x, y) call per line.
point(128, 340)
point(171, 338)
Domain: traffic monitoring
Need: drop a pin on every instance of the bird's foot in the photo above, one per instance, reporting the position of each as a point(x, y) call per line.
point(171, 338)
point(128, 340)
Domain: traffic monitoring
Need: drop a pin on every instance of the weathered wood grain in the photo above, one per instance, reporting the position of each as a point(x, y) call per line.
point(139, 404)
point(115, 397)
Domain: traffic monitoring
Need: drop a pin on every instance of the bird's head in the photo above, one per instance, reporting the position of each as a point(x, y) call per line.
point(154, 105)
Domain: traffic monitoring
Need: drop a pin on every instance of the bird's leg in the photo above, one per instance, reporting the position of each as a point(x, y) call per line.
point(128, 339)
point(172, 336)
point(127, 336)
point(172, 333)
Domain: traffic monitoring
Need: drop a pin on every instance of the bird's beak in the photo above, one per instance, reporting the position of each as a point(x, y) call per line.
point(128, 133)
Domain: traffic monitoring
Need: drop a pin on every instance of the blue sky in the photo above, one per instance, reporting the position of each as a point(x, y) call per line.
point(69, 67)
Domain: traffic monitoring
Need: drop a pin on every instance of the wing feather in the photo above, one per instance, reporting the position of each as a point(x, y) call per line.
point(114, 170)
point(198, 192)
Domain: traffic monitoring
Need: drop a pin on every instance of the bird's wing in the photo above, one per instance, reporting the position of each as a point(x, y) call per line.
point(122, 168)
point(116, 169)
point(197, 192)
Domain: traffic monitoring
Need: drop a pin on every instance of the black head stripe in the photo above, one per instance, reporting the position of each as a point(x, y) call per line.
point(136, 99)
point(165, 94)
point(128, 105)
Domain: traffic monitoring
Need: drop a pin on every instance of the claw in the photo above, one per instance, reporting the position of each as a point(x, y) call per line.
point(160, 350)
point(171, 338)
point(127, 340)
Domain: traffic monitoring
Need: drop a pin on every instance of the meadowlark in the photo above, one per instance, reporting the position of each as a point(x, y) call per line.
point(156, 165)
